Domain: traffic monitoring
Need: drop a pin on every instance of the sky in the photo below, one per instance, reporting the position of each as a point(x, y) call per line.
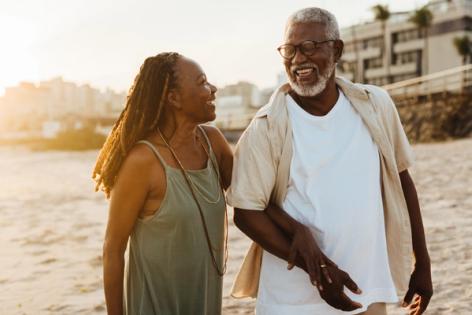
point(104, 42)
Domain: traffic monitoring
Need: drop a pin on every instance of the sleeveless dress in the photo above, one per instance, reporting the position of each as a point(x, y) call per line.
point(169, 269)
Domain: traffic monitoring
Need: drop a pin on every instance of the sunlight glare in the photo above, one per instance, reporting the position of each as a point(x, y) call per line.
point(17, 62)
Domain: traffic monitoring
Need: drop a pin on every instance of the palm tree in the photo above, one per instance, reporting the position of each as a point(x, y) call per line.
point(464, 49)
point(382, 14)
point(423, 18)
point(463, 46)
point(357, 75)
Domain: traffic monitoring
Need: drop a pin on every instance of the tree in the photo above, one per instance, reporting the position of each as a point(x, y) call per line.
point(356, 73)
point(423, 18)
point(463, 46)
point(382, 14)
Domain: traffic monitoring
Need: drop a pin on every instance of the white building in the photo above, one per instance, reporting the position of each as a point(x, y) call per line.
point(403, 51)
point(28, 106)
point(236, 105)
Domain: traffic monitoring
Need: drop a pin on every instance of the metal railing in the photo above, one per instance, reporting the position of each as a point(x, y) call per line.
point(453, 80)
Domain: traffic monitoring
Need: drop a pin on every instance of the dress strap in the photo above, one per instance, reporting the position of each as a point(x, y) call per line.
point(206, 136)
point(212, 154)
point(154, 150)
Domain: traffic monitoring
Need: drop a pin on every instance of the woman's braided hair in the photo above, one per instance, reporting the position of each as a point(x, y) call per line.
point(140, 116)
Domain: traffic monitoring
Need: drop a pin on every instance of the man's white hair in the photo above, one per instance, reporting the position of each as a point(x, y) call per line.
point(317, 15)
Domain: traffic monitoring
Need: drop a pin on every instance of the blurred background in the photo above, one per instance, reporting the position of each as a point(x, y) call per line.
point(66, 67)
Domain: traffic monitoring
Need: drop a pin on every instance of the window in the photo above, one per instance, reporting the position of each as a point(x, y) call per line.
point(407, 35)
point(406, 57)
point(373, 63)
point(373, 42)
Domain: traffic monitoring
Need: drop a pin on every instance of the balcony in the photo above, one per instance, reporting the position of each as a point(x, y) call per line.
point(403, 68)
point(371, 52)
point(411, 45)
point(375, 73)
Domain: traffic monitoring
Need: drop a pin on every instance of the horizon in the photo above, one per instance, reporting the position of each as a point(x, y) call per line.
point(103, 44)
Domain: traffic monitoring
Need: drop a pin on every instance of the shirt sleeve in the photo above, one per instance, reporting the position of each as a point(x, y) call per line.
point(254, 170)
point(404, 156)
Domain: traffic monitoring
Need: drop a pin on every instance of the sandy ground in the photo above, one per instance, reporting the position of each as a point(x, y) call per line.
point(52, 225)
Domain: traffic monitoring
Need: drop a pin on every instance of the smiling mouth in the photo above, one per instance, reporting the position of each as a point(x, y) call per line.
point(304, 73)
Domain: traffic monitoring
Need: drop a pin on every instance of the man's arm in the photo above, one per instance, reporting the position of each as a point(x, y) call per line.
point(303, 245)
point(261, 229)
point(420, 282)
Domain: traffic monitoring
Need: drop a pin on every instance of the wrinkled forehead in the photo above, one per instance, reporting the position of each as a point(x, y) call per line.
point(296, 32)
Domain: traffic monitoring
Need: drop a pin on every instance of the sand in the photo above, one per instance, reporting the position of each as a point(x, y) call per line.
point(52, 226)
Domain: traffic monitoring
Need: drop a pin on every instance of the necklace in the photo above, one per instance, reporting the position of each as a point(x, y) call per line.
point(195, 187)
point(192, 190)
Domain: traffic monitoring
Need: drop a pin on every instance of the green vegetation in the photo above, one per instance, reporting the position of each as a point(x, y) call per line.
point(382, 14)
point(68, 140)
point(73, 140)
point(423, 18)
point(463, 47)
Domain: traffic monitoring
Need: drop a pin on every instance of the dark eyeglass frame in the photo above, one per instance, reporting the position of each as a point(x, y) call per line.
point(316, 46)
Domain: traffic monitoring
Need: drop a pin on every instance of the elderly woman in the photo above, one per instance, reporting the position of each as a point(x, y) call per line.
point(165, 173)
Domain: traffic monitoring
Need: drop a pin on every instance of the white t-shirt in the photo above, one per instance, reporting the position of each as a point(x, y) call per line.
point(335, 190)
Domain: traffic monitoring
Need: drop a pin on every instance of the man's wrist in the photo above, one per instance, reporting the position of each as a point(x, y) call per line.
point(295, 227)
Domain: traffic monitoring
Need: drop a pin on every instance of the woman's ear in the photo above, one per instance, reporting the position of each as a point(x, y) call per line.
point(173, 99)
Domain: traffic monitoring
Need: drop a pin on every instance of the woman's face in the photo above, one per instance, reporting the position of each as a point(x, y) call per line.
point(195, 96)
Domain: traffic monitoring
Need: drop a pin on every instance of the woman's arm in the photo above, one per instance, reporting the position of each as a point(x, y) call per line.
point(127, 199)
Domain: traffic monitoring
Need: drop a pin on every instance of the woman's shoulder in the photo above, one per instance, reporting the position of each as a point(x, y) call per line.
point(140, 157)
point(212, 131)
point(214, 134)
point(218, 141)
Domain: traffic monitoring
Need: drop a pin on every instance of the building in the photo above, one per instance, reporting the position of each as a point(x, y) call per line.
point(236, 104)
point(398, 51)
point(30, 107)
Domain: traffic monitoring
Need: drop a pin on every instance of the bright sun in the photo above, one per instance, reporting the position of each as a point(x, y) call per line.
point(17, 62)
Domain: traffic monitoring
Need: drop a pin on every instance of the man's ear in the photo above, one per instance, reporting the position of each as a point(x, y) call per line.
point(173, 99)
point(338, 49)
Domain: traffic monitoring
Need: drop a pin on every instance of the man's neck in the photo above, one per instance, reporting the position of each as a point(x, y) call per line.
point(320, 104)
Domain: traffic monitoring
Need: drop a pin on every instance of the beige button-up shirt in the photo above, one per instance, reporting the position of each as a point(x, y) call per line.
point(262, 165)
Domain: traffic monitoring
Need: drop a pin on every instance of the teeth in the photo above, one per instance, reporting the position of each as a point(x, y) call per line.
point(304, 71)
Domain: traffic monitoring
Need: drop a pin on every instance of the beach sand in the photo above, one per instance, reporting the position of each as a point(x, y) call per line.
point(52, 226)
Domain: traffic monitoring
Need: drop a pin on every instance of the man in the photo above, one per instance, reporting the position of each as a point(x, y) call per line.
point(333, 155)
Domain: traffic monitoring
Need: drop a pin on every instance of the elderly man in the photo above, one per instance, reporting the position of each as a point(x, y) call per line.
point(333, 155)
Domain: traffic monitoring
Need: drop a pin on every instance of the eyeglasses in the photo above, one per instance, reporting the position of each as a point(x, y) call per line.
point(308, 48)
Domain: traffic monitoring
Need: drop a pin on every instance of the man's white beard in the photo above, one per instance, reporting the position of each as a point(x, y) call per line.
point(317, 88)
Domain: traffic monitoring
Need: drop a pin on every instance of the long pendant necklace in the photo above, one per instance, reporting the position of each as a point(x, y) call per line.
point(192, 190)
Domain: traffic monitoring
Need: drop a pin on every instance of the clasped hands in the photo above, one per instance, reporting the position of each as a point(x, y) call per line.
point(323, 273)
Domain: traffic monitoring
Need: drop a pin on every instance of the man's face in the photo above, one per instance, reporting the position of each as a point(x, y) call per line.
point(309, 75)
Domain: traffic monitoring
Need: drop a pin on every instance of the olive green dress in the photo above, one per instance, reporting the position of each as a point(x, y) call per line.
point(169, 270)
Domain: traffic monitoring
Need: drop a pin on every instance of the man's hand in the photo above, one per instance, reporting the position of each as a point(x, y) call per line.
point(420, 285)
point(333, 293)
point(324, 273)
point(305, 248)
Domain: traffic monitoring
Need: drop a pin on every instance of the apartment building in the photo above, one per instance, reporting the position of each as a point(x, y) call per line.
point(398, 51)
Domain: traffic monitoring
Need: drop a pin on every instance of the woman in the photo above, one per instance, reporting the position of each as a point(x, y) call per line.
point(165, 174)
